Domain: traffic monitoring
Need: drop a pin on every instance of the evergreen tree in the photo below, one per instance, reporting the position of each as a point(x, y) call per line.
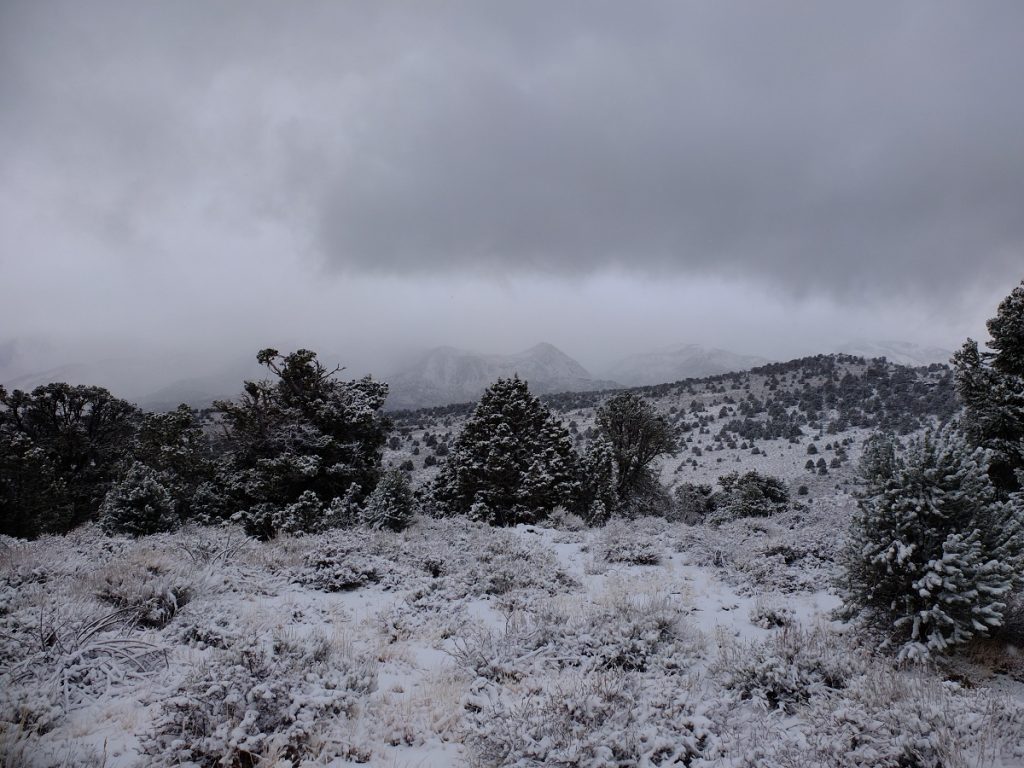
point(174, 445)
point(60, 449)
point(599, 498)
point(637, 435)
point(391, 504)
point(512, 462)
point(991, 386)
point(934, 552)
point(140, 503)
point(300, 442)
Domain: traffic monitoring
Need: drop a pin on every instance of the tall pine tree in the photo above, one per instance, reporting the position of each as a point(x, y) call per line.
point(991, 385)
point(512, 463)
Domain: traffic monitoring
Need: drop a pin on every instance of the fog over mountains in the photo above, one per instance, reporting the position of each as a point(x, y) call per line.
point(448, 375)
point(441, 376)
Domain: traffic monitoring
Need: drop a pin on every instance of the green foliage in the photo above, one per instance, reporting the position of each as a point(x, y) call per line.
point(296, 444)
point(637, 435)
point(512, 463)
point(60, 449)
point(934, 552)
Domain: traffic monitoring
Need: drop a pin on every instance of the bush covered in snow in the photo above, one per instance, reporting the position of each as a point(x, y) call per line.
point(262, 701)
point(789, 668)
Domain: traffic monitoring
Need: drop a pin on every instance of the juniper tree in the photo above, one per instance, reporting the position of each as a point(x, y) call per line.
point(513, 462)
point(139, 503)
point(300, 442)
point(934, 552)
point(637, 435)
point(60, 449)
point(599, 482)
point(391, 504)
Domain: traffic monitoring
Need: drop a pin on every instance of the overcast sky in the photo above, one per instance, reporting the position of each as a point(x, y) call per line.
point(368, 179)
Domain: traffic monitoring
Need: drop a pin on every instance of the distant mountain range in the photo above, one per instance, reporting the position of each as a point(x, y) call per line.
point(683, 361)
point(444, 375)
point(449, 375)
point(899, 352)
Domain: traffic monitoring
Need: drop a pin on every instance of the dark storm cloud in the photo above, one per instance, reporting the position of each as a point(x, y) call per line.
point(843, 148)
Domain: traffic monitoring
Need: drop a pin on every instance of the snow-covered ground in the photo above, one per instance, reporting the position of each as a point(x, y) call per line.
point(642, 643)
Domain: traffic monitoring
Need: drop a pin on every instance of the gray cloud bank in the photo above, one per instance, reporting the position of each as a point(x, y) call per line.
point(841, 147)
point(347, 173)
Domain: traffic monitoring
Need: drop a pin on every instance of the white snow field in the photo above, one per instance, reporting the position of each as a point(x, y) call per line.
point(644, 643)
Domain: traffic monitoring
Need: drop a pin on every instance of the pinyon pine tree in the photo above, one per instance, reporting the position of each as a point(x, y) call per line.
point(991, 385)
point(512, 463)
point(934, 552)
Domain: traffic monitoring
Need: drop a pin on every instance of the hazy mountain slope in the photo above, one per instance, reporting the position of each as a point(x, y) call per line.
point(683, 361)
point(900, 352)
point(448, 375)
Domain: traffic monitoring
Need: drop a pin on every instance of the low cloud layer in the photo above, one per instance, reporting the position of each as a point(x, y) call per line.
point(180, 171)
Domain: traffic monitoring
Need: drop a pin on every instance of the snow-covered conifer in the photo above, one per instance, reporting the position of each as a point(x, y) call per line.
point(391, 503)
point(513, 461)
point(934, 552)
point(139, 503)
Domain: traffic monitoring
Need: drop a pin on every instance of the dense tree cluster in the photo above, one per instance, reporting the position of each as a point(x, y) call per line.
point(936, 551)
point(61, 447)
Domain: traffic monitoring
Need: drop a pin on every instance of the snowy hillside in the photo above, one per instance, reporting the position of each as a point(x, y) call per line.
point(684, 361)
point(448, 375)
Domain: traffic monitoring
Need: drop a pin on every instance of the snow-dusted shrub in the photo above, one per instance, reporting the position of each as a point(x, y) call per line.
point(336, 565)
point(894, 720)
point(789, 668)
point(618, 633)
point(573, 719)
point(506, 563)
point(692, 502)
point(564, 520)
point(151, 589)
point(934, 553)
point(768, 615)
point(749, 495)
point(262, 703)
point(391, 504)
point(53, 661)
point(626, 544)
point(139, 504)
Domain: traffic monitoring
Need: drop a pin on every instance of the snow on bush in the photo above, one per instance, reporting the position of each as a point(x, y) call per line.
point(629, 544)
point(789, 668)
point(260, 702)
point(572, 719)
